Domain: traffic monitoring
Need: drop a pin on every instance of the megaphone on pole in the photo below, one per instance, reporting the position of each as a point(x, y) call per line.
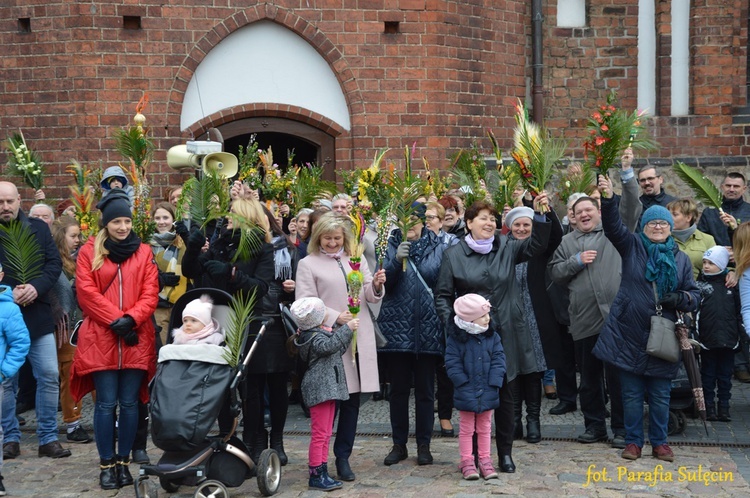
point(223, 163)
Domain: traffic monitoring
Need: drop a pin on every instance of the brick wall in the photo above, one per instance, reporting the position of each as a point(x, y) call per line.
point(452, 71)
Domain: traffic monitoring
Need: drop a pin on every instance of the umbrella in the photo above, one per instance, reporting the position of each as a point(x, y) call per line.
point(691, 367)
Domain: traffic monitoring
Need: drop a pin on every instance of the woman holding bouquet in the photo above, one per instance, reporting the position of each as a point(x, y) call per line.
point(484, 263)
point(323, 274)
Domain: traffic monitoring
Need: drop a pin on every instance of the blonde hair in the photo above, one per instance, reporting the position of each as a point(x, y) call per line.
point(439, 209)
point(741, 246)
point(330, 222)
point(251, 211)
point(100, 252)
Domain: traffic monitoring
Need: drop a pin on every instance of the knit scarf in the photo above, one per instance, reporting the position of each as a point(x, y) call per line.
point(120, 251)
point(282, 260)
point(483, 246)
point(684, 234)
point(210, 334)
point(661, 266)
point(470, 327)
point(163, 239)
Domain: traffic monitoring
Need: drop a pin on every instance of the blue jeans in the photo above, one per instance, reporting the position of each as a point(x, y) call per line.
point(549, 378)
point(43, 359)
point(634, 387)
point(113, 387)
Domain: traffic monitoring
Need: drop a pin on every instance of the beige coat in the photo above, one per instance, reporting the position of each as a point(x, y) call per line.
point(320, 276)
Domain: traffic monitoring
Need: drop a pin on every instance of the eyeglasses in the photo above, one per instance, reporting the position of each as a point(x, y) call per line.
point(430, 217)
point(647, 179)
point(657, 223)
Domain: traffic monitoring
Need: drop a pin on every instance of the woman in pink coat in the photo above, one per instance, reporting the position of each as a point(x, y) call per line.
point(322, 274)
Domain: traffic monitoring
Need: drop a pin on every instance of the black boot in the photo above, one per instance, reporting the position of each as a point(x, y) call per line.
point(123, 472)
point(533, 397)
point(711, 412)
point(517, 411)
point(108, 474)
point(723, 415)
point(260, 444)
point(277, 443)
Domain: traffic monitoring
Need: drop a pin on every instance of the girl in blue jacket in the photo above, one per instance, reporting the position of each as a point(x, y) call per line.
point(475, 362)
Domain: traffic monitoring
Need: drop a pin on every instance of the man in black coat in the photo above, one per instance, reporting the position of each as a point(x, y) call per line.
point(37, 314)
point(653, 194)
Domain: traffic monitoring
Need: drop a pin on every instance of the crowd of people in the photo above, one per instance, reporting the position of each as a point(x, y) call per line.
point(473, 309)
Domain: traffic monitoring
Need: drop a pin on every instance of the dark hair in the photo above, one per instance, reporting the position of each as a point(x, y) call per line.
point(478, 206)
point(274, 227)
point(166, 207)
point(735, 175)
point(646, 168)
point(582, 199)
point(314, 216)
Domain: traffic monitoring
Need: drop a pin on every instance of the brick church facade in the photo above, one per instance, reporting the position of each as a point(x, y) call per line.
point(339, 79)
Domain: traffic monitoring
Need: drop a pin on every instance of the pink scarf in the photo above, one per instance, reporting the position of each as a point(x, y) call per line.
point(210, 334)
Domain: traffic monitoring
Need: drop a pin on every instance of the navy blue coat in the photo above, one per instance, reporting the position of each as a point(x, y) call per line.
point(475, 364)
point(622, 341)
point(408, 318)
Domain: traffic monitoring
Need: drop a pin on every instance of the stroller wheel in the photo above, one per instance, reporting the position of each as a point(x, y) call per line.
point(269, 472)
point(212, 489)
point(168, 486)
point(146, 489)
point(675, 426)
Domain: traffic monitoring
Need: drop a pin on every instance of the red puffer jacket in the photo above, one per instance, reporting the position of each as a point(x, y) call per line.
point(136, 280)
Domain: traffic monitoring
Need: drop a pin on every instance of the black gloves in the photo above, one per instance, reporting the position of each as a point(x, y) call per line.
point(217, 270)
point(196, 239)
point(123, 325)
point(670, 300)
point(181, 230)
point(170, 279)
point(131, 338)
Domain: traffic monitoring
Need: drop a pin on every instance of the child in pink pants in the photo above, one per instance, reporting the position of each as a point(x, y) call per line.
point(324, 381)
point(475, 363)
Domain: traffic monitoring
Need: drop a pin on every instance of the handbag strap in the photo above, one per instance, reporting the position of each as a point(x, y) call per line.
point(419, 275)
point(656, 299)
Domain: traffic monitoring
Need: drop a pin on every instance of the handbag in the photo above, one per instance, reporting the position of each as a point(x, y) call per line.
point(662, 341)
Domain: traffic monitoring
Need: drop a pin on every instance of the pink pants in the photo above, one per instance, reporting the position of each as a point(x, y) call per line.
point(469, 423)
point(321, 428)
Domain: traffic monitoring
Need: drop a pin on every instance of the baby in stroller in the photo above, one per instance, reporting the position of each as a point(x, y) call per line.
point(198, 326)
point(194, 383)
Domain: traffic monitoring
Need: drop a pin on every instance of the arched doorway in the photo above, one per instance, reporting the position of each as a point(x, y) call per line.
point(310, 144)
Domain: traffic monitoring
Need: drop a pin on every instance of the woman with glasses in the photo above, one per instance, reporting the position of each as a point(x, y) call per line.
point(654, 273)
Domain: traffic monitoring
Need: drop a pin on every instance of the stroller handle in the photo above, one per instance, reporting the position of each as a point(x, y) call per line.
point(267, 322)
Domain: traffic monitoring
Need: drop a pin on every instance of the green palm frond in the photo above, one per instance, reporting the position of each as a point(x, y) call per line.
point(207, 197)
point(508, 181)
point(133, 144)
point(309, 185)
point(703, 188)
point(405, 190)
point(469, 172)
point(251, 237)
point(242, 307)
point(24, 258)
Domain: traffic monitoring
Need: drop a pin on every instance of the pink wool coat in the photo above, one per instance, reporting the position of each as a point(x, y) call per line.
point(320, 276)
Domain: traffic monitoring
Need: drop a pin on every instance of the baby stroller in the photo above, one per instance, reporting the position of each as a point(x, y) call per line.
point(193, 383)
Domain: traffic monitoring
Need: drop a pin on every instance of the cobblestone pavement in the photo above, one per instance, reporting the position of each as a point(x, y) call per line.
point(555, 467)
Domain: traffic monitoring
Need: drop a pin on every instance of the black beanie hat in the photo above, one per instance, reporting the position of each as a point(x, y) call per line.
point(116, 204)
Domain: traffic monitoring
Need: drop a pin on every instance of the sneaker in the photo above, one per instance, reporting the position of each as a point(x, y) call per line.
point(79, 435)
point(2, 488)
point(487, 470)
point(469, 470)
point(663, 452)
point(631, 452)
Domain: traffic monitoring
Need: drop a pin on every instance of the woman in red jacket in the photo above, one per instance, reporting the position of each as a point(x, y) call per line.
point(117, 286)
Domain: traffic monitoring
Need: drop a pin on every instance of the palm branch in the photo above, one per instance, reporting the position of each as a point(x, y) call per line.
point(242, 307)
point(701, 186)
point(309, 185)
point(207, 197)
point(133, 144)
point(503, 195)
point(24, 259)
point(404, 193)
point(251, 237)
point(469, 172)
point(536, 153)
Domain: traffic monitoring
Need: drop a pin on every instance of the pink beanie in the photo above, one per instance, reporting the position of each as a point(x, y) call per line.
point(469, 307)
point(200, 309)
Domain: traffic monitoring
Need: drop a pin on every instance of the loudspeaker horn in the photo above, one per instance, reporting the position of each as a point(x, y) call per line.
point(223, 163)
point(179, 158)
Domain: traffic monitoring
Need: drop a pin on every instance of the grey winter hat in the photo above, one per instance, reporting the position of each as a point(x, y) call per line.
point(309, 312)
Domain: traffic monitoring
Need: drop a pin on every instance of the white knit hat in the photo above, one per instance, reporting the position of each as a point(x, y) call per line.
point(718, 255)
point(309, 312)
point(518, 212)
point(200, 309)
